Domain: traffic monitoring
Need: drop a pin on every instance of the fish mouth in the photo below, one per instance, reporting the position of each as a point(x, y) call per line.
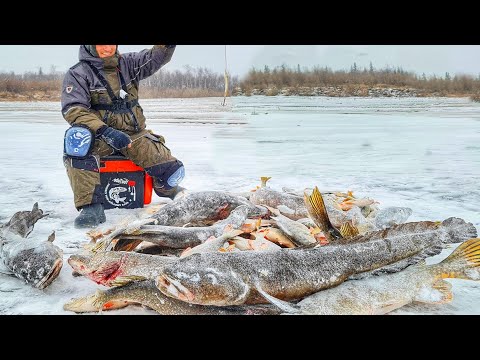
point(104, 274)
point(52, 275)
point(174, 289)
point(77, 262)
point(81, 305)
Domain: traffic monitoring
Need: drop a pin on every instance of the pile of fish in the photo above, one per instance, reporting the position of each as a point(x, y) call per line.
point(262, 252)
point(271, 252)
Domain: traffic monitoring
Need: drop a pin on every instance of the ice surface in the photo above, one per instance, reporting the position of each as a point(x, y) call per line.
point(421, 153)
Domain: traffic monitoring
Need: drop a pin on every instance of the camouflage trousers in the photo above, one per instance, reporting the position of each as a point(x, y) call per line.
point(148, 151)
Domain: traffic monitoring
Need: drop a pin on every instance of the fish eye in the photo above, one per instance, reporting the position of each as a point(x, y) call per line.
point(211, 278)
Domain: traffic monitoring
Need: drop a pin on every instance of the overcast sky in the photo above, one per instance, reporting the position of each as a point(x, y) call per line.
point(428, 59)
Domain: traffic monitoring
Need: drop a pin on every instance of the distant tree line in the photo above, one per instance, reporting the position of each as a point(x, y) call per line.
point(190, 82)
point(198, 82)
point(31, 81)
point(284, 76)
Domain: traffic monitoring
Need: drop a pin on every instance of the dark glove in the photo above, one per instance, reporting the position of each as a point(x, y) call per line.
point(115, 138)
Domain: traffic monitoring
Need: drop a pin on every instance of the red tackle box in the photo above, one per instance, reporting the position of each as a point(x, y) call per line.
point(124, 184)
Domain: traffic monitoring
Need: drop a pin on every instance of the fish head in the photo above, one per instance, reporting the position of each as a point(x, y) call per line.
point(259, 211)
point(79, 263)
point(38, 264)
point(102, 268)
point(239, 214)
point(92, 303)
point(197, 280)
point(241, 211)
point(22, 222)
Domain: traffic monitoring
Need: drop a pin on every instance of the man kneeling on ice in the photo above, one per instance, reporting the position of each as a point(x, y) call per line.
point(100, 101)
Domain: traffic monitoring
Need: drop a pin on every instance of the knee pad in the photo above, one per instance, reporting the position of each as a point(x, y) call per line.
point(78, 142)
point(167, 175)
point(177, 177)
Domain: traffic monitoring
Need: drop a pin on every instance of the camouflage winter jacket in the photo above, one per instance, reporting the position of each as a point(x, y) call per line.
point(82, 89)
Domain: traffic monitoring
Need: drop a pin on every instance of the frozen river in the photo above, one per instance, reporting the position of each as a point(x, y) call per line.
point(423, 153)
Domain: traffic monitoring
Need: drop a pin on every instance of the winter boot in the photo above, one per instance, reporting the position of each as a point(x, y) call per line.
point(90, 217)
point(172, 193)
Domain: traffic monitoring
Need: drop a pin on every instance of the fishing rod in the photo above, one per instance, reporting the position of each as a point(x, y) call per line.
point(226, 79)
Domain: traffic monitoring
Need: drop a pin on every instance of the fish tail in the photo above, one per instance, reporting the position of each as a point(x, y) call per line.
point(258, 224)
point(348, 230)
point(319, 210)
point(264, 180)
point(126, 245)
point(100, 246)
point(317, 204)
point(51, 237)
point(463, 263)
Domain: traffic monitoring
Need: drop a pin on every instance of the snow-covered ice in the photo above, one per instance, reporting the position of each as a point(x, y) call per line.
point(421, 153)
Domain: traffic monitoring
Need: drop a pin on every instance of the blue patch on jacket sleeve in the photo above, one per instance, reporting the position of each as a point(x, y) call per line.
point(78, 141)
point(176, 177)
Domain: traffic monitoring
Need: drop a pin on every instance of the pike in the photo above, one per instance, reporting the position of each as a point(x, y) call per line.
point(181, 238)
point(125, 227)
point(380, 295)
point(147, 294)
point(289, 274)
point(36, 262)
point(204, 206)
point(113, 268)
